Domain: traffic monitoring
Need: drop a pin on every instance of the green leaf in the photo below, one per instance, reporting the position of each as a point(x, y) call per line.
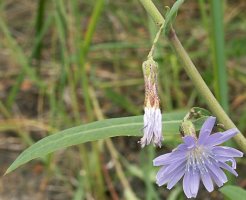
point(171, 15)
point(233, 192)
point(126, 126)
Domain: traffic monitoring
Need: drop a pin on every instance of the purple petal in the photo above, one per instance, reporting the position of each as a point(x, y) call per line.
point(215, 178)
point(181, 147)
point(160, 177)
point(213, 139)
point(227, 159)
point(186, 184)
point(227, 151)
point(170, 158)
point(218, 138)
point(206, 129)
point(207, 181)
point(216, 171)
point(177, 176)
point(194, 184)
point(228, 168)
point(189, 141)
point(176, 165)
point(160, 160)
point(164, 175)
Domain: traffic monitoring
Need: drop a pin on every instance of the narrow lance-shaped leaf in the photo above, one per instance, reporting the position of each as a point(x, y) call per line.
point(126, 126)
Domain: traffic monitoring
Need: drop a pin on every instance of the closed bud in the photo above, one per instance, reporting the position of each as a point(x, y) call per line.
point(152, 113)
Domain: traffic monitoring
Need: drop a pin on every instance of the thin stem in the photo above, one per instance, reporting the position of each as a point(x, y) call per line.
point(151, 53)
point(195, 76)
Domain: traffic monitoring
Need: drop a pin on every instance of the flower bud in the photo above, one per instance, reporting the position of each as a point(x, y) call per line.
point(152, 113)
point(187, 128)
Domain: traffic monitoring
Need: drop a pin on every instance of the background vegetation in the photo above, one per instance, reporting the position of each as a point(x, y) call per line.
point(65, 63)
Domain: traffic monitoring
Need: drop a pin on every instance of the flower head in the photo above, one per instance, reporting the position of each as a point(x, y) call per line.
point(199, 159)
point(152, 113)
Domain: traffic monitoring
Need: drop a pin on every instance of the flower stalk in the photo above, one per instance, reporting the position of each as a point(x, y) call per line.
point(194, 75)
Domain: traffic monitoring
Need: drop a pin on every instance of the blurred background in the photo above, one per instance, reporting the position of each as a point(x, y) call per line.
point(66, 63)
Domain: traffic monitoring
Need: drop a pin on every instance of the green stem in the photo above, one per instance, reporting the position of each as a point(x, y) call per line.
point(195, 76)
point(150, 56)
point(153, 12)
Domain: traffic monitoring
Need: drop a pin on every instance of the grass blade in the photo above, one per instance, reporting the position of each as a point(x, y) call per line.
point(39, 26)
point(97, 11)
point(220, 75)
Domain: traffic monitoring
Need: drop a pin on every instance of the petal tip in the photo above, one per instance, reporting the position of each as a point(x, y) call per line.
point(154, 163)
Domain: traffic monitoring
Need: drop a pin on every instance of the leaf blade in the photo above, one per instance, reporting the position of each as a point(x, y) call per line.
point(233, 192)
point(126, 126)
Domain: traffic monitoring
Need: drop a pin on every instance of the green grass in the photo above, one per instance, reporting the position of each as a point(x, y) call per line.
point(219, 57)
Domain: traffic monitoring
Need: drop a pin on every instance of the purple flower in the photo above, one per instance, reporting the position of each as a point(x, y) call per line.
point(199, 159)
